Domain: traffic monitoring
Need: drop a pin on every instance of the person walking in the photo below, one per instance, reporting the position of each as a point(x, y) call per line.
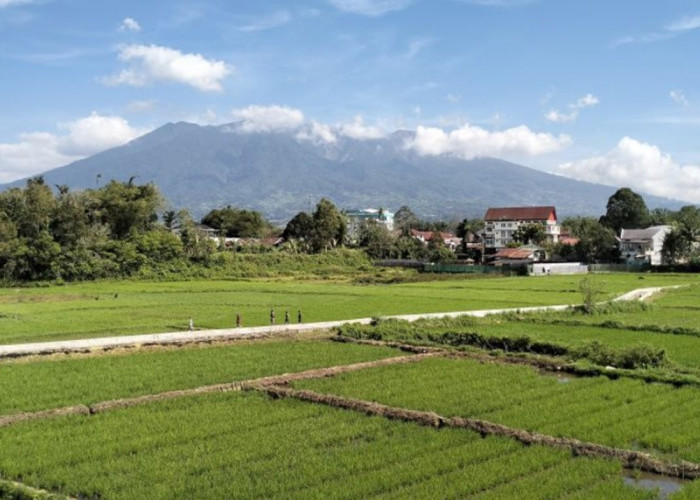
point(286, 317)
point(272, 316)
point(238, 320)
point(299, 316)
point(191, 328)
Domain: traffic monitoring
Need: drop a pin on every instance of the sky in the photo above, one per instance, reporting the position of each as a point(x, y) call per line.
point(598, 90)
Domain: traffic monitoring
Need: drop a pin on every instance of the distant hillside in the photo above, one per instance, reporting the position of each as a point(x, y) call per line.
point(205, 167)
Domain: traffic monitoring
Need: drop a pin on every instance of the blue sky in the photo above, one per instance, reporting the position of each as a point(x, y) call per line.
point(606, 91)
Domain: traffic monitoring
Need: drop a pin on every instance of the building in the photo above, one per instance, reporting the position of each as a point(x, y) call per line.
point(357, 218)
point(448, 239)
point(643, 246)
point(501, 223)
point(521, 255)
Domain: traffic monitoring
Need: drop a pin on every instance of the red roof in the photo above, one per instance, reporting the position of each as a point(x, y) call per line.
point(515, 253)
point(568, 240)
point(520, 213)
point(428, 235)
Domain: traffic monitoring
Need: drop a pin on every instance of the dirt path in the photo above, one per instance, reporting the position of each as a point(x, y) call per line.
point(102, 343)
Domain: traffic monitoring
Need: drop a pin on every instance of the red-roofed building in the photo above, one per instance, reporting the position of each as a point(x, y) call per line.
point(518, 255)
point(502, 222)
point(425, 237)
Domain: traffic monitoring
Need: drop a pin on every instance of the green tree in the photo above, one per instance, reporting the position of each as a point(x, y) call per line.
point(328, 226)
point(238, 223)
point(530, 234)
point(625, 209)
point(377, 240)
point(127, 208)
point(405, 219)
point(676, 246)
point(596, 242)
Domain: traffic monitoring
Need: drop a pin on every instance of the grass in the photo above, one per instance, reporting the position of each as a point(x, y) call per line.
point(39, 385)
point(124, 308)
point(236, 445)
point(623, 413)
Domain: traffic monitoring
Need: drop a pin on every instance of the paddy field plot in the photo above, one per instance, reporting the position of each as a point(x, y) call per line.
point(235, 445)
point(125, 308)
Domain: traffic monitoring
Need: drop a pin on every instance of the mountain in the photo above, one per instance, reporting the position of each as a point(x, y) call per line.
point(205, 167)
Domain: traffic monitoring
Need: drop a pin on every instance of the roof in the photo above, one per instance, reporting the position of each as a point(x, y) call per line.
point(642, 234)
point(429, 235)
point(568, 240)
point(515, 253)
point(520, 213)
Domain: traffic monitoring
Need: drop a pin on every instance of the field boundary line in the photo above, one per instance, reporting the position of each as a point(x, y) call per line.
point(14, 418)
point(185, 337)
point(631, 459)
point(543, 362)
point(285, 378)
point(31, 492)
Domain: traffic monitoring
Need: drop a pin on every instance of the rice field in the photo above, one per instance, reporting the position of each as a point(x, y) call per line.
point(83, 310)
point(55, 382)
point(245, 444)
point(236, 445)
point(631, 414)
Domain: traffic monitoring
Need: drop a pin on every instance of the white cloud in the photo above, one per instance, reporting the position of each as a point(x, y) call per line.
point(641, 166)
point(129, 24)
point(671, 30)
point(585, 102)
point(372, 8)
point(679, 97)
point(36, 152)
point(358, 130)
point(469, 142)
point(10, 3)
point(268, 118)
point(275, 20)
point(685, 24)
point(417, 45)
point(556, 116)
point(317, 133)
point(152, 63)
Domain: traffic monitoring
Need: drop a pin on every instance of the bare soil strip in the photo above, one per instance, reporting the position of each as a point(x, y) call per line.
point(630, 459)
point(43, 414)
point(230, 386)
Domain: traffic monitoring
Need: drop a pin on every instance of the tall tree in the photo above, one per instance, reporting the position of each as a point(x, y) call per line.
point(625, 209)
point(532, 233)
point(405, 219)
point(238, 223)
point(329, 226)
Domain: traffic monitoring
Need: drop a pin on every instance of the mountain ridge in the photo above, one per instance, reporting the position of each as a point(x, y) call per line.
point(205, 167)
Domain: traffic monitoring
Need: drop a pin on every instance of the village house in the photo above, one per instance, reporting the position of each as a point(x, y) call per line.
point(520, 255)
point(357, 218)
point(643, 246)
point(448, 239)
point(502, 222)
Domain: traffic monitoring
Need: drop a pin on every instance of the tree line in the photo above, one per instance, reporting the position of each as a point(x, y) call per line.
point(122, 229)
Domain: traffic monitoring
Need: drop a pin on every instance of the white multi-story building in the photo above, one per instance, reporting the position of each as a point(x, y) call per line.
point(502, 222)
point(356, 218)
point(643, 245)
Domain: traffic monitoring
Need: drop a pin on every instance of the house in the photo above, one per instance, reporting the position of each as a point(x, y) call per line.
point(520, 255)
point(643, 246)
point(501, 223)
point(448, 239)
point(357, 218)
